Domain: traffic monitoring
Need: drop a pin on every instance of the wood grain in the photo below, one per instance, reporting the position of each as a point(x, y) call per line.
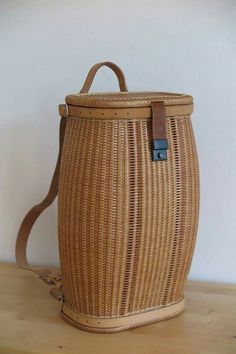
point(30, 323)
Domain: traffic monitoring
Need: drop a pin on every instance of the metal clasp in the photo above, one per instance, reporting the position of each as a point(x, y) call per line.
point(160, 147)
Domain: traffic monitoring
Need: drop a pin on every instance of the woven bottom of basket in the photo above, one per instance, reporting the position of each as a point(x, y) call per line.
point(117, 324)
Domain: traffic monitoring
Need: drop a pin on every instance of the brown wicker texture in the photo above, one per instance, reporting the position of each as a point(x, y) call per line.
point(127, 207)
point(127, 224)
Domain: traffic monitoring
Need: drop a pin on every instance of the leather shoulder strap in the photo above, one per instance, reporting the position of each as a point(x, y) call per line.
point(48, 275)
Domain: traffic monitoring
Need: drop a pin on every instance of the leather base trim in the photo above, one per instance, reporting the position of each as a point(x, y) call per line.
point(117, 324)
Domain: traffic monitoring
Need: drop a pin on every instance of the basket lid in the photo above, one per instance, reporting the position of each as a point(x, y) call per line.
point(124, 98)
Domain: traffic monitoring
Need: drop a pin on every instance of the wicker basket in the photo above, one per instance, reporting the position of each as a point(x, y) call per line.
point(128, 202)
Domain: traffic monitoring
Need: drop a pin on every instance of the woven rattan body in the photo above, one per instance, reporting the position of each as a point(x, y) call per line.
point(127, 224)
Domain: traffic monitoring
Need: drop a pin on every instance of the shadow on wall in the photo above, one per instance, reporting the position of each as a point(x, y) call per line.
point(26, 176)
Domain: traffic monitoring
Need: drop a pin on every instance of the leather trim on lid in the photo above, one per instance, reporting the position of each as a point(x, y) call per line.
point(123, 113)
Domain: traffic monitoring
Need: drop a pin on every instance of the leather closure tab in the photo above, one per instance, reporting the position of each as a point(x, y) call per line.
point(159, 137)
point(62, 108)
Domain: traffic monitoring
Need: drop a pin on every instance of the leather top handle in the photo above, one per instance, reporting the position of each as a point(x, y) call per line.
point(92, 72)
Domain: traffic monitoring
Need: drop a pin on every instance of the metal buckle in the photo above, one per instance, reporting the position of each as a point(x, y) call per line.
point(61, 301)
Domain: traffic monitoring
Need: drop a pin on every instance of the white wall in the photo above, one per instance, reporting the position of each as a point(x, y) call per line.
point(47, 48)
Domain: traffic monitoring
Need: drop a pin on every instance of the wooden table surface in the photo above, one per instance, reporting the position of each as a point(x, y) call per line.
point(30, 323)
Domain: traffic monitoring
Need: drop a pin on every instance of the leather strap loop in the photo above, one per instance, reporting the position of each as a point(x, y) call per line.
point(48, 275)
point(92, 72)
